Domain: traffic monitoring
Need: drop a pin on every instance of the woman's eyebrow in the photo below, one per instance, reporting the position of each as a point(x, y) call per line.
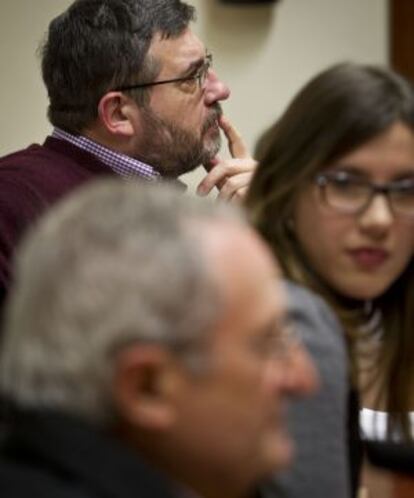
point(356, 170)
point(352, 169)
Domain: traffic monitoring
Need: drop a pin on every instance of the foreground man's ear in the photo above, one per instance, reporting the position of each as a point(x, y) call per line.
point(145, 382)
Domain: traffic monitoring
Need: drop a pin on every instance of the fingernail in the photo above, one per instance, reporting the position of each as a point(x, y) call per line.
point(201, 191)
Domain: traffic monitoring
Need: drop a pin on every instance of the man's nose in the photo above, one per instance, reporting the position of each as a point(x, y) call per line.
point(215, 90)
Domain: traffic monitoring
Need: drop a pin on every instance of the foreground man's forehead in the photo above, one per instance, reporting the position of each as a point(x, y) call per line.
point(243, 266)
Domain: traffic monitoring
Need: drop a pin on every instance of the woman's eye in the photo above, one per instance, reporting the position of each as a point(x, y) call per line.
point(342, 180)
point(405, 186)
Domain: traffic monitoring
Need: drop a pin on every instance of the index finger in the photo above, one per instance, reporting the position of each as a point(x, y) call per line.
point(236, 144)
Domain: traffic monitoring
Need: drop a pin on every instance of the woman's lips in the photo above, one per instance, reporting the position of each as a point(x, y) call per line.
point(369, 258)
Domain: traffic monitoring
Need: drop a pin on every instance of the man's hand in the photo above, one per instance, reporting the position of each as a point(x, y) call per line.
point(231, 176)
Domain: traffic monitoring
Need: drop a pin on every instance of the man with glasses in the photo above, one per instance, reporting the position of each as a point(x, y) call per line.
point(132, 92)
point(146, 351)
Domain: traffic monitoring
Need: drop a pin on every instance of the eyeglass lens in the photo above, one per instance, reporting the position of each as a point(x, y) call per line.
point(350, 195)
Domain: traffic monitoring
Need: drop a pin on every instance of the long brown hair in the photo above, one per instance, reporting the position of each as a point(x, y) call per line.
point(337, 111)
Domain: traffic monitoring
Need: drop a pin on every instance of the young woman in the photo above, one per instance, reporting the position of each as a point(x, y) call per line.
point(334, 197)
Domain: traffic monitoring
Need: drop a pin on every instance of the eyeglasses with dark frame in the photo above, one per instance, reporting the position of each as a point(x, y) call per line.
point(199, 76)
point(347, 193)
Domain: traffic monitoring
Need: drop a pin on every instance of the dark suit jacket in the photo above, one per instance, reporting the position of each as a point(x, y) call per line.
point(33, 179)
point(318, 423)
point(54, 456)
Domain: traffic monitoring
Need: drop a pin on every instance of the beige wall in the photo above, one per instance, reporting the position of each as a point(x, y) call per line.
point(264, 53)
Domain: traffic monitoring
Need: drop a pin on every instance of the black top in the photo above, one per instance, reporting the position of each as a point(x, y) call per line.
point(355, 443)
point(397, 457)
point(52, 455)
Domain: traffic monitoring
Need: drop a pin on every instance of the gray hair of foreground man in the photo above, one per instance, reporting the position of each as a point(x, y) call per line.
point(114, 264)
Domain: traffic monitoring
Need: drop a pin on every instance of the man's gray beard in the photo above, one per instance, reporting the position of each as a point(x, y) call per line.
point(172, 151)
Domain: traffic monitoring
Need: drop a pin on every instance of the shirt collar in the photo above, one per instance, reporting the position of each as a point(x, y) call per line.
point(125, 166)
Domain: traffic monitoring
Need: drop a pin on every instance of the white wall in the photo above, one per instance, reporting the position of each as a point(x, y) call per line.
point(264, 54)
point(22, 97)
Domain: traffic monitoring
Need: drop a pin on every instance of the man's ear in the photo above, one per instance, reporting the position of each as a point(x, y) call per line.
point(144, 384)
point(116, 112)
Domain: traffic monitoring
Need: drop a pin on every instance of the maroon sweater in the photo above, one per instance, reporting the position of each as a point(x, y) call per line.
point(33, 179)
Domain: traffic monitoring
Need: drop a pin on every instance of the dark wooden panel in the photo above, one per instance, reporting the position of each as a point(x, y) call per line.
point(402, 36)
point(404, 487)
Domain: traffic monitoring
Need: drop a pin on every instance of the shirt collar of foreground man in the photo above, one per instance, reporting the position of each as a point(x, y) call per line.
point(146, 351)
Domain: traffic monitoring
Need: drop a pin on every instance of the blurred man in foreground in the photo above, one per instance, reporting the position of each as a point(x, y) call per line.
point(146, 352)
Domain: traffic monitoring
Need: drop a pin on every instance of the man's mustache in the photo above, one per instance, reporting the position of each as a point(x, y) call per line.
point(213, 117)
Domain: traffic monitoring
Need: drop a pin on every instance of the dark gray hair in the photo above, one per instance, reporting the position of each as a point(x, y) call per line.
point(112, 265)
point(97, 45)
